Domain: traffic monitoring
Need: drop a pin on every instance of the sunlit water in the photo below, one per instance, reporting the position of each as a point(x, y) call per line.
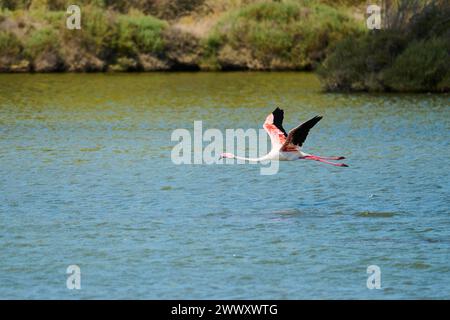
point(86, 178)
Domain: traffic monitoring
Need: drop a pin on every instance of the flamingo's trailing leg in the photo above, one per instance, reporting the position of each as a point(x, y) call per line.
point(321, 159)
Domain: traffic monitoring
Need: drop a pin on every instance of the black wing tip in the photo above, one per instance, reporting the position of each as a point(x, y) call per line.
point(277, 109)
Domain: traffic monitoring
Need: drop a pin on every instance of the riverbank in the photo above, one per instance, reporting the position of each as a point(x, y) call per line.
point(204, 35)
point(409, 54)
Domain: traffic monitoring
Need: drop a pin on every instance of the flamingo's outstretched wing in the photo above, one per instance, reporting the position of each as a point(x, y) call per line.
point(298, 135)
point(274, 128)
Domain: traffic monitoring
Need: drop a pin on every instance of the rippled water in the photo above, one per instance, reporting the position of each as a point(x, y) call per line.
point(86, 178)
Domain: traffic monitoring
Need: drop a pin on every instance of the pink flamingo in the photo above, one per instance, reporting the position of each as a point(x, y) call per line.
point(286, 147)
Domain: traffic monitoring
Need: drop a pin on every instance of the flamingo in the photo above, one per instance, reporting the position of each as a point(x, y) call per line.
point(286, 146)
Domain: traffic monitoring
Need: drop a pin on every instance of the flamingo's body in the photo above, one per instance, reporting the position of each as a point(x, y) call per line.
point(286, 147)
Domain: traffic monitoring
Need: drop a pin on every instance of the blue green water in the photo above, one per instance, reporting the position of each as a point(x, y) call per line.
point(86, 178)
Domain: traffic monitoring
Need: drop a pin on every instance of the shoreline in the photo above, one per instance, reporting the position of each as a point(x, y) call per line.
point(198, 72)
point(261, 36)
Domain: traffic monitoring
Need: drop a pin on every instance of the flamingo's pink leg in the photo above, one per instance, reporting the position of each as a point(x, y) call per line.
point(329, 158)
point(324, 161)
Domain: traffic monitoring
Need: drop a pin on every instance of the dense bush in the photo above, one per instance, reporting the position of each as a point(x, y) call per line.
point(411, 57)
point(43, 49)
point(98, 31)
point(355, 64)
point(41, 41)
point(278, 35)
point(421, 67)
point(9, 44)
point(140, 33)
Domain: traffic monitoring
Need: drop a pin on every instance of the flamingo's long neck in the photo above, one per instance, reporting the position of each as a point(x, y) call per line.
point(266, 157)
point(247, 159)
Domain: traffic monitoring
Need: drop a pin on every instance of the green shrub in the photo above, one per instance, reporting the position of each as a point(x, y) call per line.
point(295, 34)
point(356, 62)
point(10, 45)
point(169, 9)
point(54, 18)
point(139, 33)
point(408, 57)
point(99, 31)
point(432, 21)
point(421, 67)
point(40, 41)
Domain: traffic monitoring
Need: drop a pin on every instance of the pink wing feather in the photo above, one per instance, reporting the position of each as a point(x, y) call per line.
point(277, 137)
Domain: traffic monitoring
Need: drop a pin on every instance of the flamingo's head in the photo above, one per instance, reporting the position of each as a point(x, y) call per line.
point(226, 155)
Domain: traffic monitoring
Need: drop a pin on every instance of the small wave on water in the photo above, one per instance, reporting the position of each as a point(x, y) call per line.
point(288, 212)
point(419, 265)
point(375, 214)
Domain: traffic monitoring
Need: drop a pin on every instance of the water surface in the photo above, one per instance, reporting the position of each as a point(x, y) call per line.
point(86, 178)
